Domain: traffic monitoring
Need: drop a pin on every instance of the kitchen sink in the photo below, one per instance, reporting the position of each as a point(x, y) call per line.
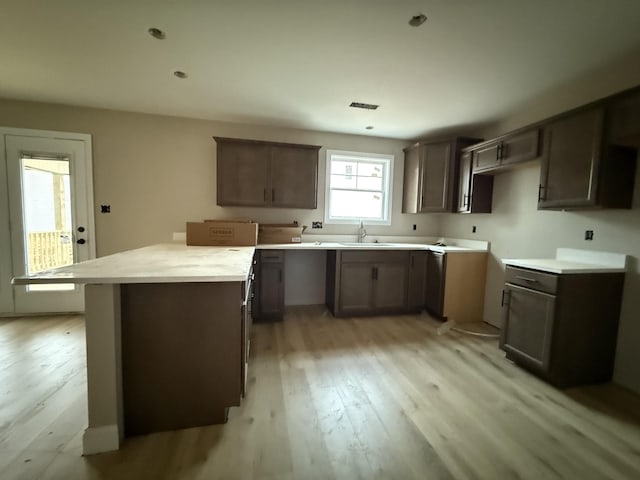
point(366, 245)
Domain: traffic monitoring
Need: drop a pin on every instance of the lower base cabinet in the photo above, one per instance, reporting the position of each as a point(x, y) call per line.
point(268, 303)
point(366, 282)
point(562, 327)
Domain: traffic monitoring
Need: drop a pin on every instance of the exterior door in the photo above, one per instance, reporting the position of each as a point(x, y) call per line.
point(50, 213)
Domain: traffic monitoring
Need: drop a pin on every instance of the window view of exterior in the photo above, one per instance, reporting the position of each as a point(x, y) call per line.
point(358, 187)
point(46, 213)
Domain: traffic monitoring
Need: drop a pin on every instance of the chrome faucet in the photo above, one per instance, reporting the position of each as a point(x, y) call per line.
point(361, 233)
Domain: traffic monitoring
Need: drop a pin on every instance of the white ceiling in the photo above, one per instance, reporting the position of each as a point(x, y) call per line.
point(299, 63)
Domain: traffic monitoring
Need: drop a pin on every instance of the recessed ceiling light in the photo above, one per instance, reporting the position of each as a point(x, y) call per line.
point(157, 33)
point(366, 106)
point(417, 20)
point(369, 127)
point(180, 74)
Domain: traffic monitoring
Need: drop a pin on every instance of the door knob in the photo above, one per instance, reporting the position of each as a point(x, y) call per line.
point(81, 241)
point(81, 229)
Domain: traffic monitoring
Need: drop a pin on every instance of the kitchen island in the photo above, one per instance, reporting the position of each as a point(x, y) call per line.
point(166, 333)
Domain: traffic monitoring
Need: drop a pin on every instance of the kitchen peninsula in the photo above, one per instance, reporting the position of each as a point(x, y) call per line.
point(167, 332)
point(175, 311)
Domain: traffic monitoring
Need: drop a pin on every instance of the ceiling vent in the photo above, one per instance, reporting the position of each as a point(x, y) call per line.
point(366, 106)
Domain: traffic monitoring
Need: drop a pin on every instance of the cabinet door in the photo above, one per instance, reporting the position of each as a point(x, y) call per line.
point(271, 290)
point(486, 158)
point(527, 328)
point(417, 280)
point(436, 265)
point(520, 147)
point(356, 287)
point(464, 183)
point(411, 185)
point(242, 173)
point(294, 177)
point(571, 161)
point(437, 177)
point(390, 287)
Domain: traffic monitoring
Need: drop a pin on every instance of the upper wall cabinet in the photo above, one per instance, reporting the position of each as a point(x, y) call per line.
point(580, 169)
point(266, 174)
point(475, 191)
point(431, 175)
point(505, 151)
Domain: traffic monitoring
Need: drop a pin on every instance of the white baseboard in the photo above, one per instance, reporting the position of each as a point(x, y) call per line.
point(100, 439)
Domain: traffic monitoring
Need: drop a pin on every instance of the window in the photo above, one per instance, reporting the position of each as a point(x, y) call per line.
point(358, 188)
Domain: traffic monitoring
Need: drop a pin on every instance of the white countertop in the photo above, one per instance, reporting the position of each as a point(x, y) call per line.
point(378, 242)
point(176, 262)
point(367, 246)
point(163, 263)
point(570, 260)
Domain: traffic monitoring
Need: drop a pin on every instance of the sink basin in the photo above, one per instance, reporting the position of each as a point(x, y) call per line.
point(365, 245)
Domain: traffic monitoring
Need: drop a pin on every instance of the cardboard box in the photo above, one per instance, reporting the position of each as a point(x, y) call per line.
point(280, 233)
point(222, 232)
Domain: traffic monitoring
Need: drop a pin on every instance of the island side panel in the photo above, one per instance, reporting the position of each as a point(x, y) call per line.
point(104, 373)
point(182, 354)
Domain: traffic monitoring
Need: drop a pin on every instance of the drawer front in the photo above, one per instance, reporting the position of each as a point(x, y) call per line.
point(544, 282)
point(272, 256)
point(375, 257)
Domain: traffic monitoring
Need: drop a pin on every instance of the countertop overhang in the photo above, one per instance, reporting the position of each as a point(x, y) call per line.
point(179, 263)
point(571, 261)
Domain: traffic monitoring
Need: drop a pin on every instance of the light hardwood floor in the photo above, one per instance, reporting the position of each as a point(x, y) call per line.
point(383, 397)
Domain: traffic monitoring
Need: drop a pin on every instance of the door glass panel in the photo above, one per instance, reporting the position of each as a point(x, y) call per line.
point(47, 218)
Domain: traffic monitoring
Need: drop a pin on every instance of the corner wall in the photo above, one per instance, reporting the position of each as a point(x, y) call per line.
point(516, 229)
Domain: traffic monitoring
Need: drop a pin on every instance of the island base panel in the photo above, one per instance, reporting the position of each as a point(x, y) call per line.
point(181, 354)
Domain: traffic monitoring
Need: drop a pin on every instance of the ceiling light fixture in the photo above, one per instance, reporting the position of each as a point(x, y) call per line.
point(157, 33)
point(418, 20)
point(180, 74)
point(366, 106)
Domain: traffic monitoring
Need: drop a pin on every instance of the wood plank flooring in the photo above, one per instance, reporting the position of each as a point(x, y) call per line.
point(362, 398)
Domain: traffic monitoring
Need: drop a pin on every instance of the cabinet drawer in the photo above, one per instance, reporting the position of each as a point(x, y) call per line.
point(544, 282)
point(272, 256)
point(375, 257)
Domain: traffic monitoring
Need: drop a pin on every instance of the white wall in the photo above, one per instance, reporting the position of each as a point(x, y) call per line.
point(158, 172)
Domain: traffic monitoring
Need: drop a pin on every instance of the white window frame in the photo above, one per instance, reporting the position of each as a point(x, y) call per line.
point(387, 161)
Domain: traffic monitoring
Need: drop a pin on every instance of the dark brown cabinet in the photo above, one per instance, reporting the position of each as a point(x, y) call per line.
point(580, 169)
point(417, 280)
point(475, 191)
point(367, 283)
point(562, 327)
point(266, 174)
point(431, 175)
point(507, 150)
point(268, 303)
point(435, 283)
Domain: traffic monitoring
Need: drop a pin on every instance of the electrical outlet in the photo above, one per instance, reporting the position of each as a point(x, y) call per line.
point(588, 235)
point(414, 226)
point(316, 224)
point(473, 229)
point(105, 208)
